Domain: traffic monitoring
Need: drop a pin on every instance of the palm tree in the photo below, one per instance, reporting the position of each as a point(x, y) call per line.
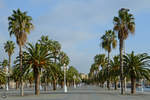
point(46, 76)
point(72, 71)
point(2, 77)
point(94, 72)
point(99, 59)
point(5, 68)
point(15, 75)
point(114, 70)
point(136, 67)
point(30, 78)
point(55, 48)
point(9, 48)
point(26, 71)
point(108, 42)
point(20, 25)
point(63, 59)
point(123, 24)
point(5, 64)
point(103, 75)
point(38, 59)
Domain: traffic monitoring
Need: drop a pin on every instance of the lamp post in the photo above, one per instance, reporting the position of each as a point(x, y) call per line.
point(125, 84)
point(6, 85)
point(65, 87)
point(74, 77)
point(142, 85)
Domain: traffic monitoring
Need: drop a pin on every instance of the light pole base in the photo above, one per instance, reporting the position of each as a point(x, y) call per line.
point(75, 86)
point(142, 90)
point(6, 87)
point(65, 88)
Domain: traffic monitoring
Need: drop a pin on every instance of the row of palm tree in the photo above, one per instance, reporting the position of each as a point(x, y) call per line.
point(136, 68)
point(40, 62)
point(125, 65)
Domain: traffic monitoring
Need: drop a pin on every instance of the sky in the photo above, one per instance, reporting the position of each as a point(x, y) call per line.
point(78, 26)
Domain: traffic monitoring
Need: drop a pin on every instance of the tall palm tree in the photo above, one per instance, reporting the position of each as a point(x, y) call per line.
point(37, 58)
point(136, 67)
point(109, 42)
point(9, 47)
point(123, 24)
point(20, 25)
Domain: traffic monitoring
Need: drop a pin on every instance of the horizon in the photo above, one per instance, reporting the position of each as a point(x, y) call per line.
point(78, 26)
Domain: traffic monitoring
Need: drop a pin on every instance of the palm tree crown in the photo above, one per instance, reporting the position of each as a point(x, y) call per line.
point(109, 40)
point(9, 47)
point(20, 25)
point(124, 23)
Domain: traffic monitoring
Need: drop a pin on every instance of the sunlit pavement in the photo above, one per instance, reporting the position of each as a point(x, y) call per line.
point(80, 93)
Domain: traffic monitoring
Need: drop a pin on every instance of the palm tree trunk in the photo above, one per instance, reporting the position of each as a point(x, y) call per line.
point(102, 84)
point(108, 81)
point(54, 81)
point(133, 85)
point(116, 85)
point(17, 83)
point(30, 85)
point(9, 69)
point(108, 86)
point(62, 84)
point(121, 65)
point(21, 80)
point(54, 84)
point(37, 81)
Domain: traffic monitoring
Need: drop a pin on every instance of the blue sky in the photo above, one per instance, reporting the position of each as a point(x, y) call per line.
point(78, 25)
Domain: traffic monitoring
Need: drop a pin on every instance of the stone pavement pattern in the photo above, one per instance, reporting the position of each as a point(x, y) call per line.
point(84, 93)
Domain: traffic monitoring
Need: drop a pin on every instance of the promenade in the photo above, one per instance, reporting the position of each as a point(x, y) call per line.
point(82, 93)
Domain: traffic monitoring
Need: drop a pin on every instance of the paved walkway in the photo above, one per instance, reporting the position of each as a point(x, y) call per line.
point(82, 93)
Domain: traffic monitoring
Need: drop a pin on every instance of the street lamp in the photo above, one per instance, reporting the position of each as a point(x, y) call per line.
point(74, 77)
point(65, 87)
point(142, 85)
point(6, 85)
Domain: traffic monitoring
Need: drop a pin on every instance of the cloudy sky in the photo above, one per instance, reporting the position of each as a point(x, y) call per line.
point(78, 25)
